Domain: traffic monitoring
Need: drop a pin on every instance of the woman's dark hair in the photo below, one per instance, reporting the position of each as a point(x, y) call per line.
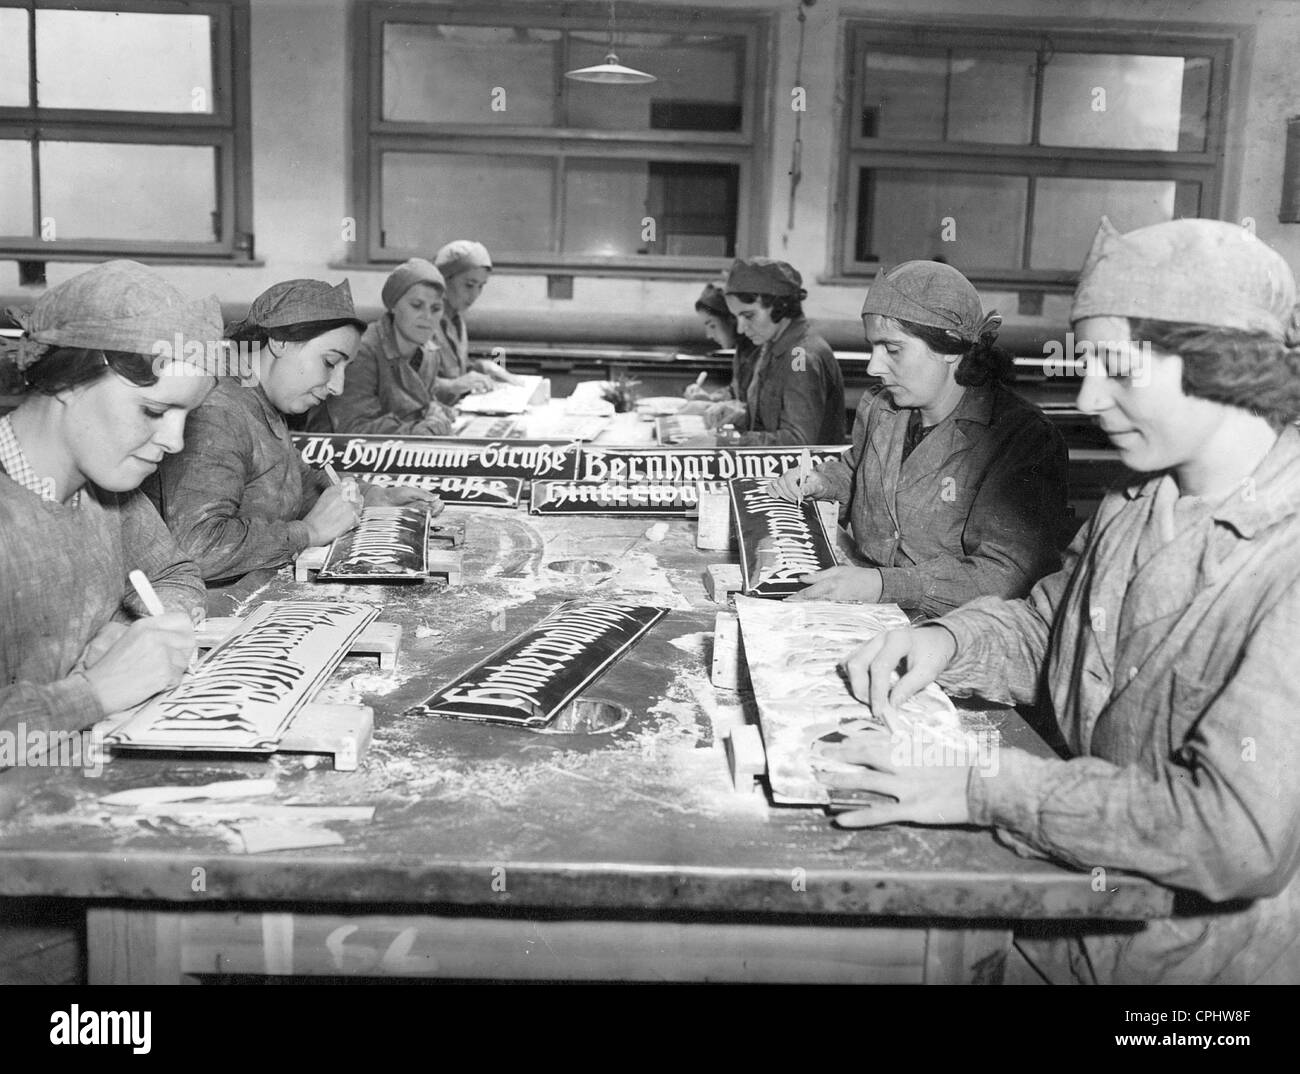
point(1249, 370)
point(982, 362)
point(63, 368)
point(782, 306)
point(724, 315)
point(241, 332)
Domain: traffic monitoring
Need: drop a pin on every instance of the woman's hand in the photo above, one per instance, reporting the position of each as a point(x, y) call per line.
point(438, 420)
point(862, 584)
point(499, 373)
point(695, 390)
point(471, 383)
point(149, 655)
point(332, 516)
point(400, 495)
point(104, 640)
point(895, 765)
point(786, 487)
point(727, 413)
point(917, 654)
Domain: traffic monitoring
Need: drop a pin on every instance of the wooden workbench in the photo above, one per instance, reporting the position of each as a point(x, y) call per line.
point(502, 853)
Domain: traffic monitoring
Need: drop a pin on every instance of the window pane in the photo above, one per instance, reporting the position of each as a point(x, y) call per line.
point(431, 198)
point(1067, 212)
point(470, 74)
point(962, 218)
point(699, 88)
point(101, 190)
point(16, 182)
point(124, 61)
point(692, 207)
point(1122, 102)
point(949, 95)
point(14, 75)
point(604, 203)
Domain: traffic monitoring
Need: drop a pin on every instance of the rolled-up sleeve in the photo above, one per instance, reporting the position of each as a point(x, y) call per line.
point(1219, 816)
point(1011, 533)
point(203, 488)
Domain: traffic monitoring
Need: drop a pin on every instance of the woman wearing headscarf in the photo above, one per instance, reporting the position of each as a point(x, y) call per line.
point(720, 327)
point(796, 393)
point(392, 385)
point(106, 398)
point(955, 485)
point(1165, 645)
point(239, 498)
point(466, 266)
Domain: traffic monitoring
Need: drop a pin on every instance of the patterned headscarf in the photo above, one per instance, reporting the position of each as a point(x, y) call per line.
point(1190, 272)
point(116, 306)
point(933, 294)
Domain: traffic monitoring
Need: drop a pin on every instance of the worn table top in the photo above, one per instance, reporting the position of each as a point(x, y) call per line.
point(642, 818)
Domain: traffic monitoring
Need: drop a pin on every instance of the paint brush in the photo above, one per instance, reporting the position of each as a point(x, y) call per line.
point(699, 381)
point(147, 595)
point(140, 581)
point(350, 491)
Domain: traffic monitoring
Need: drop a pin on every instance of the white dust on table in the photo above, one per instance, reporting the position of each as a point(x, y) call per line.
point(663, 762)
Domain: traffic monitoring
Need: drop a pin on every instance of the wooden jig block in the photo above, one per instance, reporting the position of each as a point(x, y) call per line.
point(745, 756)
point(343, 731)
point(721, 580)
point(713, 529)
point(728, 669)
point(446, 534)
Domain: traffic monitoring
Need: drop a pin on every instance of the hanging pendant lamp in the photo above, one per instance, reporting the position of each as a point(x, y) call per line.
point(611, 72)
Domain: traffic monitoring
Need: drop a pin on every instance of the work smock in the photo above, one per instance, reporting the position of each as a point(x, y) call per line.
point(977, 509)
point(451, 341)
point(235, 496)
point(383, 393)
point(796, 394)
point(1172, 677)
point(63, 578)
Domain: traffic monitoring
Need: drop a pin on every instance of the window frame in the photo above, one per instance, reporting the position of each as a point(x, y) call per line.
point(227, 129)
point(372, 135)
point(1206, 167)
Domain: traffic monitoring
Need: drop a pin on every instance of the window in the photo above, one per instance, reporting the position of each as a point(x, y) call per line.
point(124, 130)
point(998, 151)
point(468, 128)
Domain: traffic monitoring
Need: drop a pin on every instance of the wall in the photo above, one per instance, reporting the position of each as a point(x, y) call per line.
point(301, 100)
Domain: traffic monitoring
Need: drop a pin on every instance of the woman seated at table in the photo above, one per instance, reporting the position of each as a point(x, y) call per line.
point(720, 327)
point(955, 486)
point(1166, 643)
point(796, 393)
point(392, 385)
point(466, 266)
point(239, 497)
point(102, 405)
